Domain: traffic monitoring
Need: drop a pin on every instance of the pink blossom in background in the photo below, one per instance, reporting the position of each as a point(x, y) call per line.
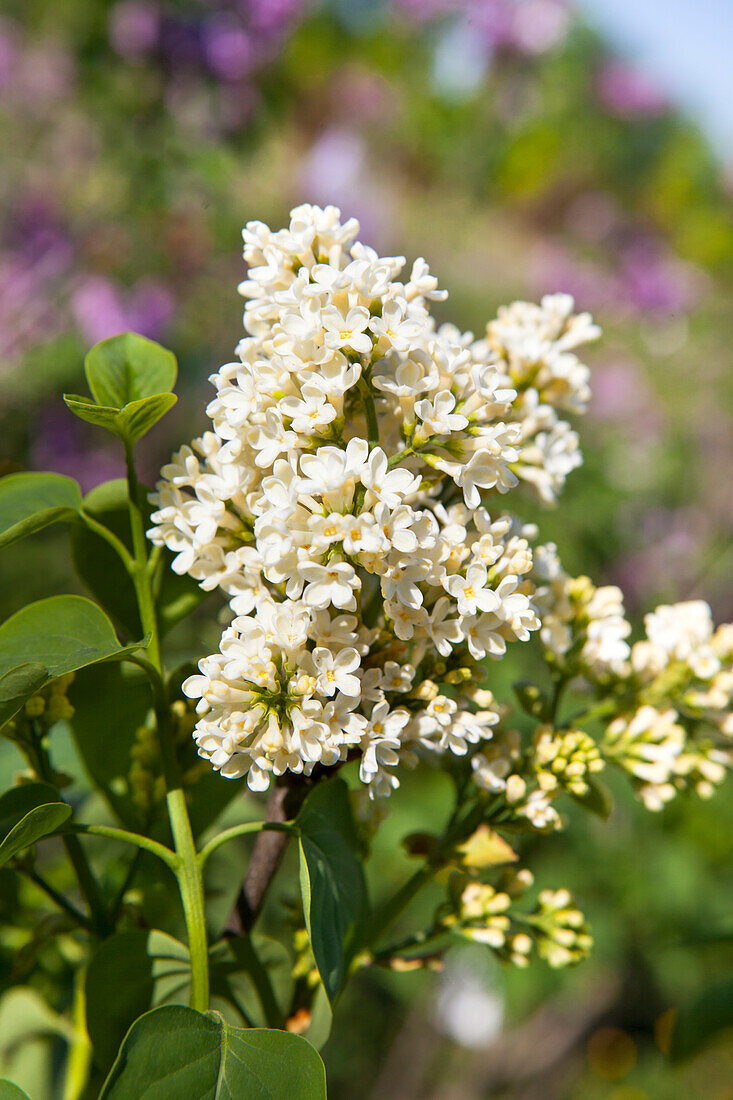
point(273, 17)
point(357, 92)
point(101, 308)
point(230, 52)
point(620, 391)
point(335, 170)
point(9, 47)
point(134, 26)
point(627, 92)
point(538, 25)
point(656, 281)
point(669, 558)
point(593, 216)
point(551, 264)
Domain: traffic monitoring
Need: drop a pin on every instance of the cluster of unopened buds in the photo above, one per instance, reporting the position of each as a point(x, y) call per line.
point(348, 501)
point(554, 927)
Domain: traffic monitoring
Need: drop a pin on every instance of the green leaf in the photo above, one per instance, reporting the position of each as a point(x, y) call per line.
point(150, 968)
point(29, 1028)
point(699, 1023)
point(19, 684)
point(331, 879)
point(131, 422)
point(231, 976)
point(101, 570)
point(60, 634)
point(597, 799)
point(29, 502)
point(9, 1091)
point(124, 691)
point(210, 1059)
point(42, 821)
point(18, 801)
point(144, 968)
point(129, 367)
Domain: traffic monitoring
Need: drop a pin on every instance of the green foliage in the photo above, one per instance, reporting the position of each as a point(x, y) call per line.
point(130, 378)
point(128, 368)
point(131, 422)
point(331, 879)
point(60, 634)
point(39, 822)
point(28, 1026)
point(597, 799)
point(30, 502)
point(101, 570)
point(9, 1091)
point(124, 692)
point(148, 969)
point(211, 1058)
point(699, 1023)
point(144, 968)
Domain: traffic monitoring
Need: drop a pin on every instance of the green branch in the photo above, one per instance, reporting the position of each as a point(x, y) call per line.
point(147, 843)
point(242, 830)
point(187, 867)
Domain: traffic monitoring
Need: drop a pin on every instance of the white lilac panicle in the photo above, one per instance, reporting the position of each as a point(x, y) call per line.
point(345, 501)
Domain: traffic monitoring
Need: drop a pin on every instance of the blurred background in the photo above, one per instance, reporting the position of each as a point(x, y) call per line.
point(522, 147)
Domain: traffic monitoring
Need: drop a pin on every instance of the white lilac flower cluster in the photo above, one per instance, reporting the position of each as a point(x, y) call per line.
point(341, 502)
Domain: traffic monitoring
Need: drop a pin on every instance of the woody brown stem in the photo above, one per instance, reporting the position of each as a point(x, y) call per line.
point(286, 798)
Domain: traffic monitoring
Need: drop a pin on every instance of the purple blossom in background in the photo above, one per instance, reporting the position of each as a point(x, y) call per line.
point(9, 47)
point(35, 259)
point(656, 281)
point(134, 27)
point(670, 545)
point(336, 171)
point(102, 309)
point(229, 41)
point(63, 444)
point(230, 52)
point(625, 91)
point(552, 265)
point(620, 392)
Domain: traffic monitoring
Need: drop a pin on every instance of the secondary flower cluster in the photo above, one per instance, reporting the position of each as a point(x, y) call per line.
point(340, 503)
point(487, 914)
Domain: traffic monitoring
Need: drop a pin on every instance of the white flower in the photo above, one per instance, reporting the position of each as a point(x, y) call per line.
point(348, 330)
point(470, 591)
point(309, 413)
point(438, 416)
point(329, 584)
point(389, 487)
point(335, 672)
point(488, 468)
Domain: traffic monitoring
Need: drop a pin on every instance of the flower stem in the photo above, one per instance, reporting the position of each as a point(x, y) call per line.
point(55, 895)
point(187, 867)
point(369, 412)
point(385, 918)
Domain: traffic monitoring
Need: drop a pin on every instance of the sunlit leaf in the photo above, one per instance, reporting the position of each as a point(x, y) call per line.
point(129, 367)
point(209, 1058)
